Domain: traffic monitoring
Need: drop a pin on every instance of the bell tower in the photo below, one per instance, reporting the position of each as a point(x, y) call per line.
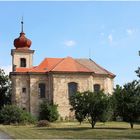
point(22, 55)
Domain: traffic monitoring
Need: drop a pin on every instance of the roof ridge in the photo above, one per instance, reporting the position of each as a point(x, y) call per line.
point(101, 67)
point(83, 65)
point(57, 64)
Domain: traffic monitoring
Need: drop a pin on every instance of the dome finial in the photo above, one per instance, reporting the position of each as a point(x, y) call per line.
point(22, 24)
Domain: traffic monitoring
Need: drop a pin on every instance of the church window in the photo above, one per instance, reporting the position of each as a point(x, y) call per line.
point(24, 108)
point(42, 89)
point(22, 62)
point(96, 88)
point(72, 88)
point(23, 90)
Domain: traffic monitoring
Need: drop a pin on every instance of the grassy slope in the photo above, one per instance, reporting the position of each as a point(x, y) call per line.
point(74, 130)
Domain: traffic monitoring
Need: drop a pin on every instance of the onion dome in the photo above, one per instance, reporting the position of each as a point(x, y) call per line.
point(22, 42)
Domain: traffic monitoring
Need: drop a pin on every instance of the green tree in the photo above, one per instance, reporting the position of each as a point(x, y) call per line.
point(5, 89)
point(127, 100)
point(97, 105)
point(92, 105)
point(138, 72)
point(78, 105)
point(113, 101)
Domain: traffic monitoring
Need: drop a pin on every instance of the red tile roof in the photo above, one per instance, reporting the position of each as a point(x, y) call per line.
point(24, 69)
point(67, 64)
point(46, 65)
point(70, 65)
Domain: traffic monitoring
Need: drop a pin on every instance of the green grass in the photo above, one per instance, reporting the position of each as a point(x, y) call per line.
point(109, 130)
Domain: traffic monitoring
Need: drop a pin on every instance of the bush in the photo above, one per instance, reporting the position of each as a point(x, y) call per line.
point(12, 114)
point(43, 123)
point(48, 112)
point(27, 118)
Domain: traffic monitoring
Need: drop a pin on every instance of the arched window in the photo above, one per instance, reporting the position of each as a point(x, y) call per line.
point(42, 90)
point(96, 88)
point(72, 88)
point(22, 62)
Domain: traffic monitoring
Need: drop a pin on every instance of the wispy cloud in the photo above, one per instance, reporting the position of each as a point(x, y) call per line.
point(7, 69)
point(130, 31)
point(110, 38)
point(69, 43)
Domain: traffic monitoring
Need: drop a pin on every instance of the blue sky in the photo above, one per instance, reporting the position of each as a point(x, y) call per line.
point(110, 31)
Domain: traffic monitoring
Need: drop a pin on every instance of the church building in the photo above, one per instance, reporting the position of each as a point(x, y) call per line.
point(54, 79)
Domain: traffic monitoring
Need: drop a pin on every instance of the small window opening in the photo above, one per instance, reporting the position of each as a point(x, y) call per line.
point(23, 90)
point(22, 62)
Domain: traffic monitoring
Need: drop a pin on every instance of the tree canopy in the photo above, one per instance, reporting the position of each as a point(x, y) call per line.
point(5, 89)
point(127, 102)
point(90, 105)
point(138, 72)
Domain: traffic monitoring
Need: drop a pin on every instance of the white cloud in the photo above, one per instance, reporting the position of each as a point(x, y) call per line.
point(110, 38)
point(130, 31)
point(7, 69)
point(69, 43)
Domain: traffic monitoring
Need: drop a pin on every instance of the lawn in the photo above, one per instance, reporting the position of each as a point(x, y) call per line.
point(73, 130)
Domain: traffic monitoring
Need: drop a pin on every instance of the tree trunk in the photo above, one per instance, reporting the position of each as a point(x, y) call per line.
point(93, 123)
point(131, 124)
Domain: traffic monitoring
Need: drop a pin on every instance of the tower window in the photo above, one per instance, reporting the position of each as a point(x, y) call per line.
point(96, 88)
point(72, 88)
point(24, 90)
point(42, 89)
point(22, 62)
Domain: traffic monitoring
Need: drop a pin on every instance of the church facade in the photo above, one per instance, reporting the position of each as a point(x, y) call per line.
point(54, 79)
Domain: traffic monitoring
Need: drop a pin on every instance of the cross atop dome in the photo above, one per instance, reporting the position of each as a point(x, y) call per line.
point(22, 25)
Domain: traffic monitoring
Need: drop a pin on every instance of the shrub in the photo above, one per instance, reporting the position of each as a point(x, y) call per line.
point(13, 114)
point(48, 112)
point(61, 119)
point(66, 118)
point(43, 123)
point(27, 118)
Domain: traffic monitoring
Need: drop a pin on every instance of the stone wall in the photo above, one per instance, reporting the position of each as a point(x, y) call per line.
point(35, 99)
point(60, 89)
point(31, 99)
point(109, 85)
point(106, 83)
point(85, 82)
point(56, 89)
point(18, 97)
